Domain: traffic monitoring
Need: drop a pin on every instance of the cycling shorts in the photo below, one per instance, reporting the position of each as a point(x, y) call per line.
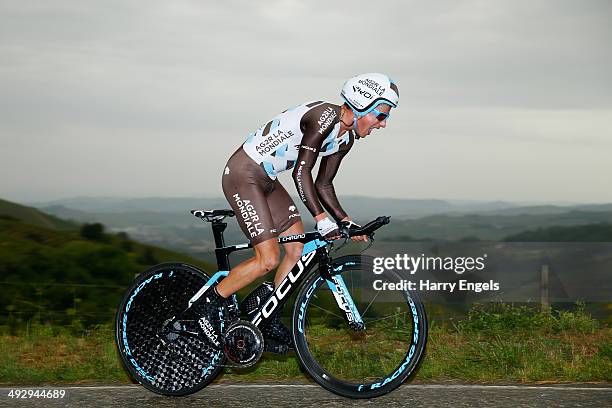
point(263, 207)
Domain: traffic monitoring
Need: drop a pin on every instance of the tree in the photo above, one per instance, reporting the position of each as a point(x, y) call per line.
point(93, 232)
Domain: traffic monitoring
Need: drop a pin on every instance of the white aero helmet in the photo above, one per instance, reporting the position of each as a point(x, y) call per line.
point(366, 91)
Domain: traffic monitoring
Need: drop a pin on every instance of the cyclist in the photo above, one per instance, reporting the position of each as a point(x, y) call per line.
point(264, 209)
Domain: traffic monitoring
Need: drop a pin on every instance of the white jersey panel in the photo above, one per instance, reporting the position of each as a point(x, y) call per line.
point(275, 145)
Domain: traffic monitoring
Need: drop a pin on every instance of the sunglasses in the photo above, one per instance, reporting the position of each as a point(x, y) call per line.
point(380, 116)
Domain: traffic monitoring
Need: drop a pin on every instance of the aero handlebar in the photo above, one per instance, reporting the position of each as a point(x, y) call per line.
point(367, 229)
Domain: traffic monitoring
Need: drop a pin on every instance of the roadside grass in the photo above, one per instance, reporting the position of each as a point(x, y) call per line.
point(502, 342)
point(46, 354)
point(496, 343)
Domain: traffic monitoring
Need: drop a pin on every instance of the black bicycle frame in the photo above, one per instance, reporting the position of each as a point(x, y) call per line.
point(316, 251)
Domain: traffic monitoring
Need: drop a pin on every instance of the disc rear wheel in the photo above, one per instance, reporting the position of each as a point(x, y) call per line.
point(160, 358)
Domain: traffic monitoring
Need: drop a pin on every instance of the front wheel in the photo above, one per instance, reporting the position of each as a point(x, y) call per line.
point(162, 360)
point(351, 362)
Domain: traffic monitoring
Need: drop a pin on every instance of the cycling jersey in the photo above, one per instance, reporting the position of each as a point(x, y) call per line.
point(276, 145)
point(300, 135)
point(293, 139)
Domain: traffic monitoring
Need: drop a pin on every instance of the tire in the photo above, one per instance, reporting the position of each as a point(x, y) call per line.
point(359, 364)
point(179, 367)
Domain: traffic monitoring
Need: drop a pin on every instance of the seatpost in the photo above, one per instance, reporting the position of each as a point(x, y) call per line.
point(222, 256)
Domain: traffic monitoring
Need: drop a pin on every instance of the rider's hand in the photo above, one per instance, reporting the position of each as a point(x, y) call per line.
point(349, 224)
point(327, 228)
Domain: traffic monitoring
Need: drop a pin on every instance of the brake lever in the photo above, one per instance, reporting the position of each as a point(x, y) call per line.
point(344, 233)
point(371, 240)
point(342, 245)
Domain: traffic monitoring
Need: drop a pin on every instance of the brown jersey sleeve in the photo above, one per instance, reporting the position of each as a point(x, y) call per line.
point(327, 171)
point(316, 125)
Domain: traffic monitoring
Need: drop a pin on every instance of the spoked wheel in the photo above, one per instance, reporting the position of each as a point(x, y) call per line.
point(366, 363)
point(159, 356)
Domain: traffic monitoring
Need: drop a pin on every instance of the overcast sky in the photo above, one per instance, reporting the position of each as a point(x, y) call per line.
point(500, 100)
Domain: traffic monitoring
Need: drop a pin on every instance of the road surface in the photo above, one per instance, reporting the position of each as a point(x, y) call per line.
point(307, 395)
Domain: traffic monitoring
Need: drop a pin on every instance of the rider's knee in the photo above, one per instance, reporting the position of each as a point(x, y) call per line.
point(268, 264)
point(268, 260)
point(294, 251)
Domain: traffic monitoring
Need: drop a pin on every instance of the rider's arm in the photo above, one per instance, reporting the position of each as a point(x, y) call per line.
point(325, 189)
point(315, 126)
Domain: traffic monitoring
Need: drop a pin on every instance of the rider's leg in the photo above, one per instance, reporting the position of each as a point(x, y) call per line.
point(287, 221)
point(266, 258)
point(247, 188)
point(293, 252)
point(274, 328)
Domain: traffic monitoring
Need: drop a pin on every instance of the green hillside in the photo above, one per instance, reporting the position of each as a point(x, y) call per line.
point(33, 216)
point(67, 276)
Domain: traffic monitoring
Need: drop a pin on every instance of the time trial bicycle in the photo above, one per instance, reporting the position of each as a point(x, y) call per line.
point(351, 339)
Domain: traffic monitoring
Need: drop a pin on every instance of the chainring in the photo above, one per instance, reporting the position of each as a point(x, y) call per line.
point(243, 343)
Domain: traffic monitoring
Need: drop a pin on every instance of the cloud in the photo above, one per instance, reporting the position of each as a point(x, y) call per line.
point(172, 76)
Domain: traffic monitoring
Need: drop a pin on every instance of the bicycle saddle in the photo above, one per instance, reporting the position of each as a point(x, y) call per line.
point(213, 213)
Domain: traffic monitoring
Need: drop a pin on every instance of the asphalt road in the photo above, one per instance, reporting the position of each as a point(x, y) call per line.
point(307, 395)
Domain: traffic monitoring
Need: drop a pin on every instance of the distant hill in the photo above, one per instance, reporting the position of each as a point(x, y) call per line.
point(34, 216)
point(166, 221)
point(149, 204)
point(359, 206)
point(549, 209)
point(486, 227)
point(580, 233)
point(595, 207)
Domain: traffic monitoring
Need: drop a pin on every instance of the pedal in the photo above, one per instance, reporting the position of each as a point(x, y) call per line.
point(232, 309)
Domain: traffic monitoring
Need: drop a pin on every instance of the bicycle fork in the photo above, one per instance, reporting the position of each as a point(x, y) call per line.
point(341, 293)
